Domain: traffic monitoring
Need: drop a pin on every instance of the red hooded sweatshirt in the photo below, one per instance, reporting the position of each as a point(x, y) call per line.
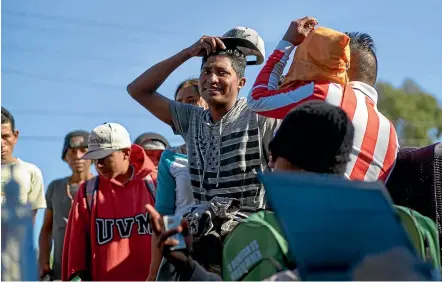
point(119, 247)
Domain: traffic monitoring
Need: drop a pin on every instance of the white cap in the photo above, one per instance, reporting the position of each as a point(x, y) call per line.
point(248, 41)
point(106, 139)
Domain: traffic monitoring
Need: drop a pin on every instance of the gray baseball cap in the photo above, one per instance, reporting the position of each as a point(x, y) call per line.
point(106, 139)
point(152, 141)
point(248, 41)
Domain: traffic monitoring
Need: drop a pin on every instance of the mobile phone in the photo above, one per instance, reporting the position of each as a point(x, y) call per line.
point(171, 222)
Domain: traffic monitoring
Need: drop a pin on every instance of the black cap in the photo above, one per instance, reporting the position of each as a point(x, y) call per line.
point(316, 137)
point(75, 139)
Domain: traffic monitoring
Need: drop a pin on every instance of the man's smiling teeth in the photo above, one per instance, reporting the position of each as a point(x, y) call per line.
point(213, 89)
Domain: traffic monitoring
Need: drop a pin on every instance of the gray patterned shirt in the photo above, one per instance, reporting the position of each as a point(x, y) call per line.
point(224, 157)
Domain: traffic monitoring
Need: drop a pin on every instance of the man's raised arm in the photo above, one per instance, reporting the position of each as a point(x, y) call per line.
point(265, 98)
point(144, 88)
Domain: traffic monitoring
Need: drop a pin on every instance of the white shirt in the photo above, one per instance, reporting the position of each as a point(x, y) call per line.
point(30, 180)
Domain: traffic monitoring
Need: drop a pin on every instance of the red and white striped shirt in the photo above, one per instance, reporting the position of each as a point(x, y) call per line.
point(375, 144)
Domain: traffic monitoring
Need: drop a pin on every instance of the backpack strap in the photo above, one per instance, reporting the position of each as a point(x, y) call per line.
point(150, 184)
point(282, 242)
point(278, 237)
point(90, 188)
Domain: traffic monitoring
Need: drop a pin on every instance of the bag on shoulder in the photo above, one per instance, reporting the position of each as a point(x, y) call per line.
point(423, 232)
point(255, 250)
point(91, 188)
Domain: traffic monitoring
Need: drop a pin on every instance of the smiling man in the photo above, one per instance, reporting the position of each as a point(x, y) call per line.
point(227, 143)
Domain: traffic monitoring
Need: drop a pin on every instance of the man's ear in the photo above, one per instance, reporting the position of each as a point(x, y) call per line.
point(127, 152)
point(16, 134)
point(241, 82)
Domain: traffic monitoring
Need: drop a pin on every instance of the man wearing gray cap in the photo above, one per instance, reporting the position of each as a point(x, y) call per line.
point(59, 198)
point(153, 144)
point(108, 237)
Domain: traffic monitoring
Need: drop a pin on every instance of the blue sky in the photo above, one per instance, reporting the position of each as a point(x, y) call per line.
point(66, 64)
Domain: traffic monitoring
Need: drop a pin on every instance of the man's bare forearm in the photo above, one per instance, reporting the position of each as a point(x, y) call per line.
point(156, 257)
point(144, 88)
point(153, 78)
point(45, 246)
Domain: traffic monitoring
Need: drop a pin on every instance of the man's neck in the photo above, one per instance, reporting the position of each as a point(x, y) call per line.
point(78, 178)
point(9, 160)
point(125, 177)
point(217, 113)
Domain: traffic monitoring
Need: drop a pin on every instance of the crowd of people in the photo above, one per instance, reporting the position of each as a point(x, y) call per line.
point(321, 117)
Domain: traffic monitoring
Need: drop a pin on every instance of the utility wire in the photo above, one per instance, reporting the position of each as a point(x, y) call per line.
point(70, 33)
point(114, 114)
point(67, 113)
point(90, 22)
point(70, 55)
point(88, 84)
point(39, 138)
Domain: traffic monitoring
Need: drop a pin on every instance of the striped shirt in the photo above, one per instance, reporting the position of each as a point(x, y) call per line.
point(224, 157)
point(375, 144)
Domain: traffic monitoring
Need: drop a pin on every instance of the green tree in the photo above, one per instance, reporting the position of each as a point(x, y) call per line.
point(416, 114)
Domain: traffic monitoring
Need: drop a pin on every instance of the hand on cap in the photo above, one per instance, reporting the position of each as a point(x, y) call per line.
point(204, 46)
point(299, 29)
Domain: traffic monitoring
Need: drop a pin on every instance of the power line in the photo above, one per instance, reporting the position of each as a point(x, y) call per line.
point(96, 36)
point(69, 55)
point(114, 114)
point(90, 22)
point(67, 113)
point(41, 138)
point(88, 84)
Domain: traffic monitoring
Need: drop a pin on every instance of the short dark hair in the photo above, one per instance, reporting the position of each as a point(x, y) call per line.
point(363, 51)
point(187, 83)
point(8, 118)
point(237, 58)
point(316, 137)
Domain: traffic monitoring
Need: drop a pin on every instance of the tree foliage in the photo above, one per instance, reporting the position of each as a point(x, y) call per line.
point(416, 115)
